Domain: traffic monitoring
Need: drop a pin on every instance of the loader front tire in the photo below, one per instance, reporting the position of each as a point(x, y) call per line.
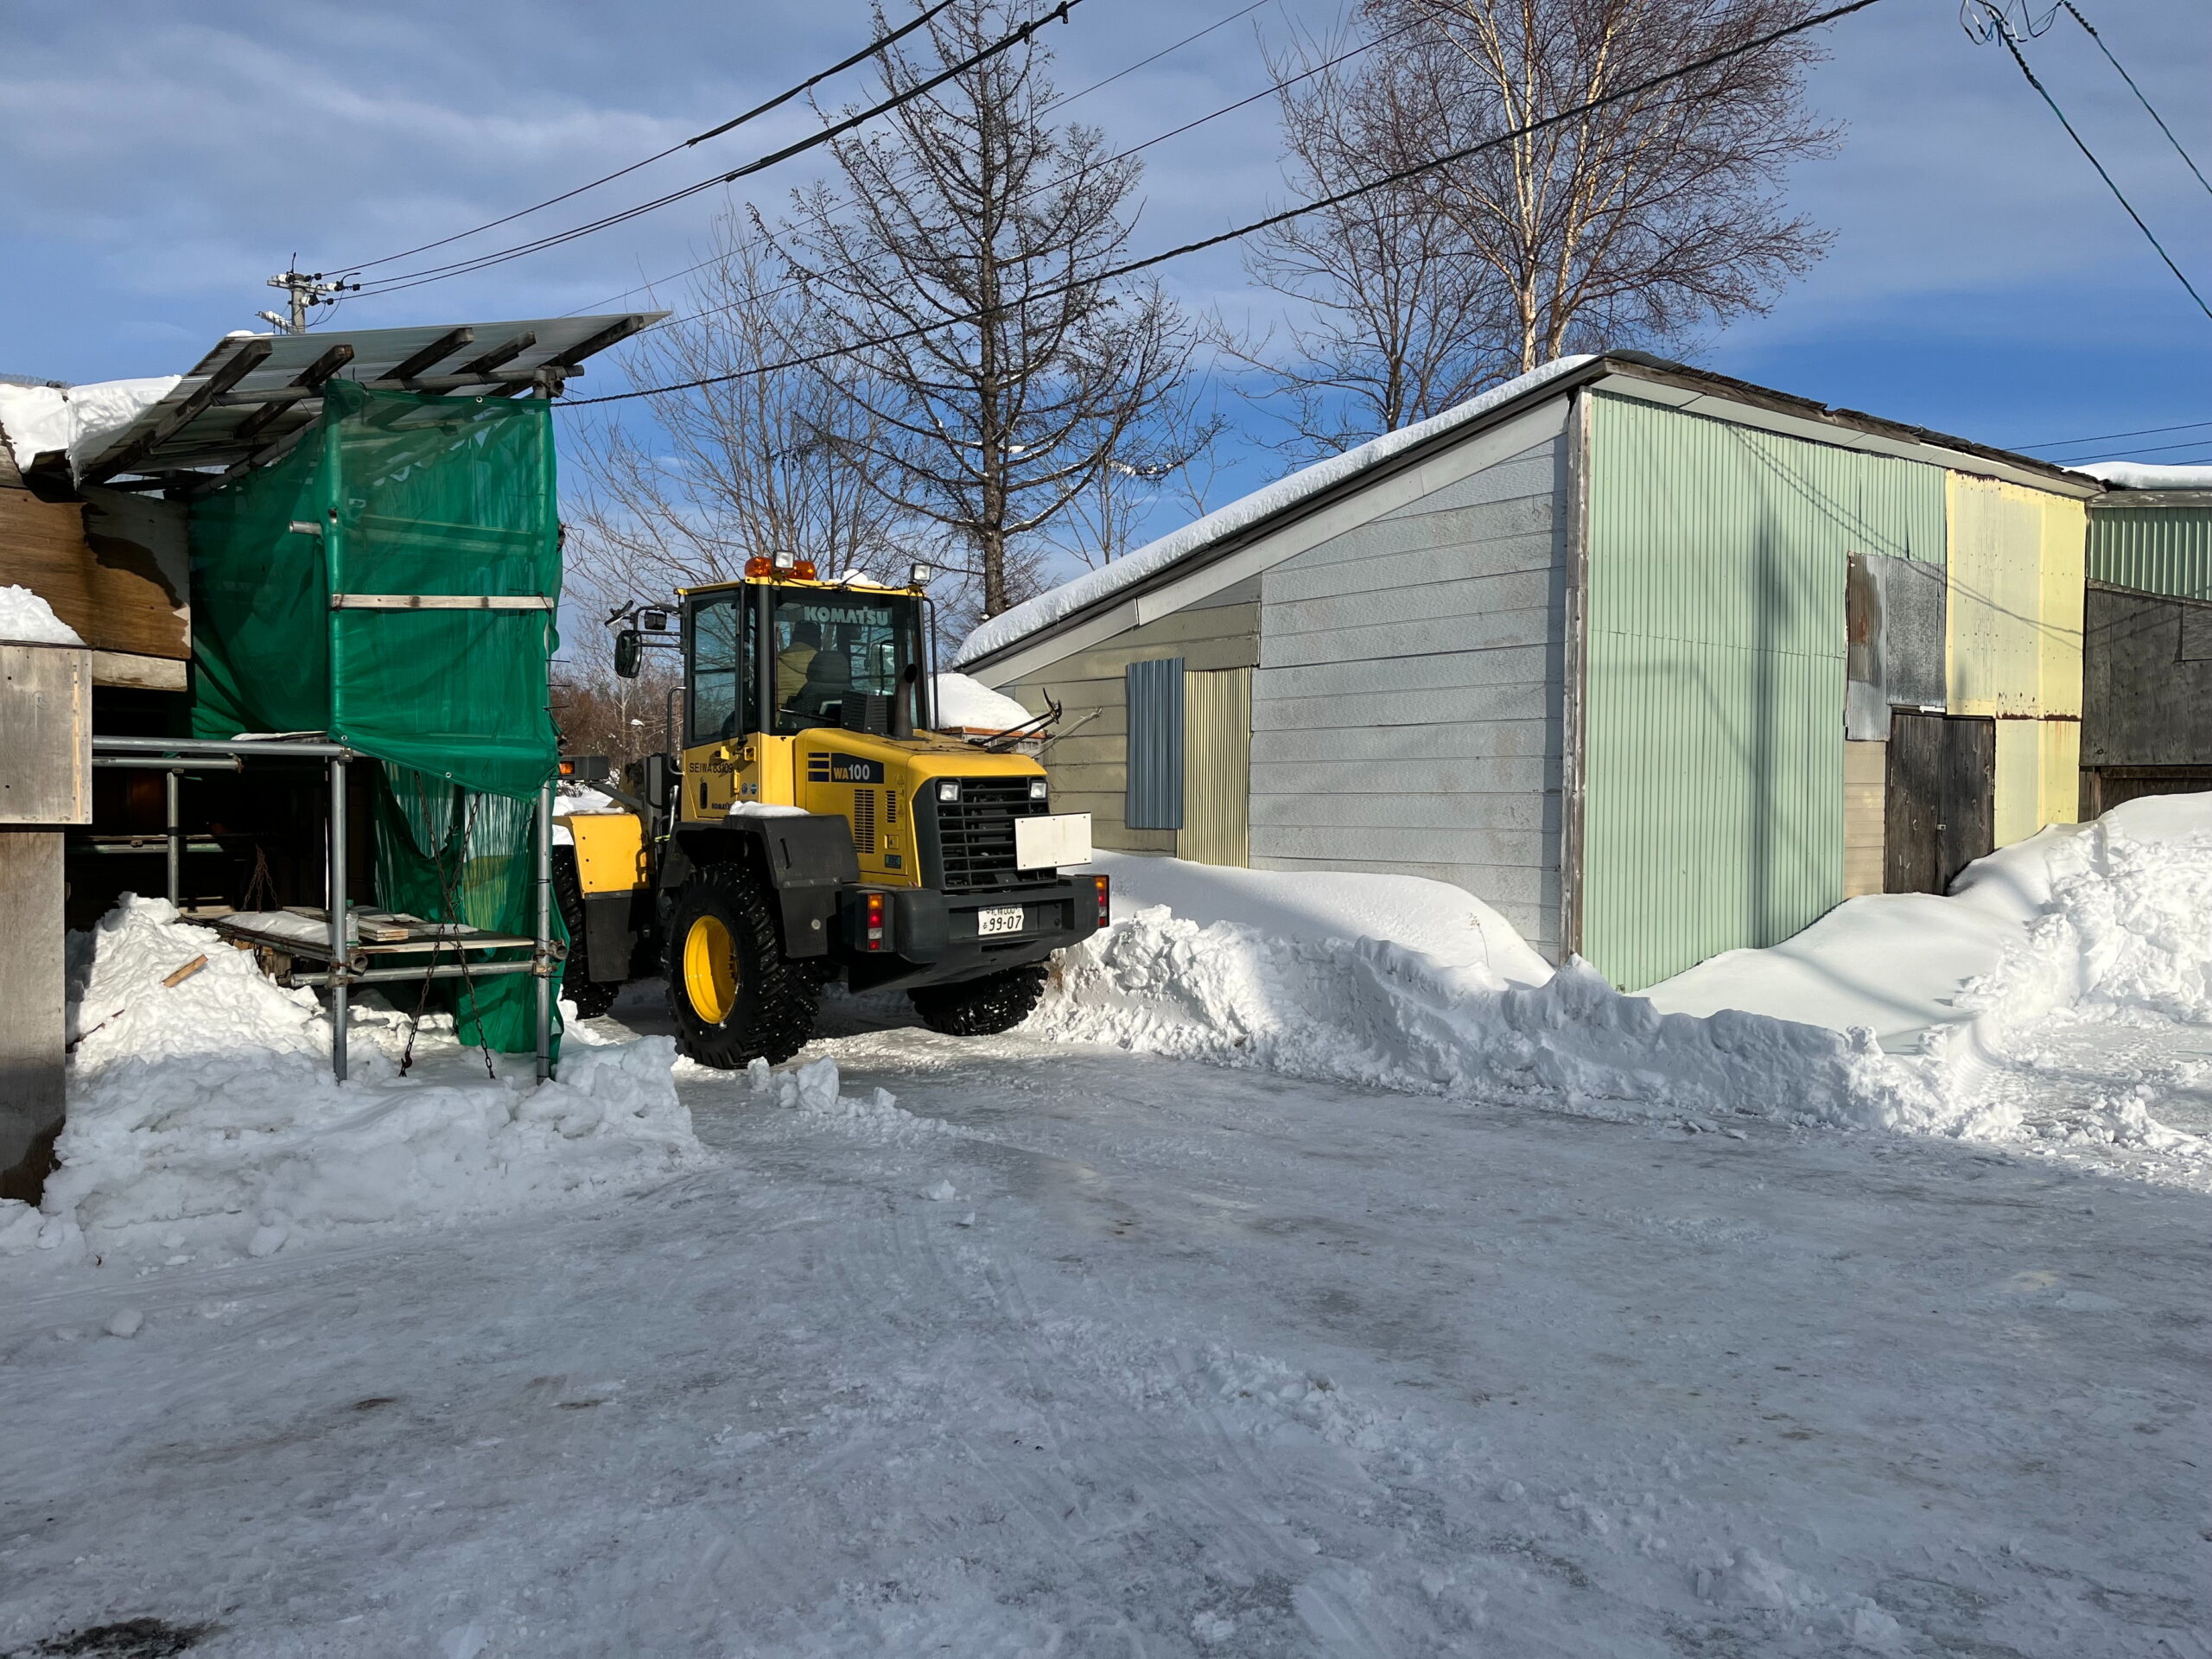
point(982, 1007)
point(734, 996)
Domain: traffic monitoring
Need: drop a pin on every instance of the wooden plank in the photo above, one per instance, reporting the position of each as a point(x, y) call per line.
point(1480, 774)
point(1517, 701)
point(1483, 630)
point(1865, 776)
point(1447, 816)
point(432, 354)
point(1410, 678)
point(1527, 527)
point(307, 381)
point(1477, 594)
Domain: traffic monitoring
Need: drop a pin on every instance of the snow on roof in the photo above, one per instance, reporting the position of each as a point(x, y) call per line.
point(1032, 616)
point(963, 705)
point(2133, 475)
point(77, 420)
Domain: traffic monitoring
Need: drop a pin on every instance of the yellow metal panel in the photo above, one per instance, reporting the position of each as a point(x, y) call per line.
point(1994, 603)
point(2019, 790)
point(610, 851)
point(2061, 771)
point(1216, 768)
point(1866, 779)
point(2065, 550)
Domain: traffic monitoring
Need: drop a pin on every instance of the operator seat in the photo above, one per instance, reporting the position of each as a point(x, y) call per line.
point(828, 679)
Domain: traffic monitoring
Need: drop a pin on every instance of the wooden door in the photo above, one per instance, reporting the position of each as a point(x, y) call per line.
point(1940, 799)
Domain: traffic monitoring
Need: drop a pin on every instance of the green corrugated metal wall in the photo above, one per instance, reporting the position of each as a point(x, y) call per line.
point(1713, 808)
point(2157, 550)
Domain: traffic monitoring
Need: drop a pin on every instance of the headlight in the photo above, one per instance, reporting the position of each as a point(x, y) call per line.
point(1038, 789)
point(947, 789)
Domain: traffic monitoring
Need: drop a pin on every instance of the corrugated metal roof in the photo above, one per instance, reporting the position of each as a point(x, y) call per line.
point(249, 396)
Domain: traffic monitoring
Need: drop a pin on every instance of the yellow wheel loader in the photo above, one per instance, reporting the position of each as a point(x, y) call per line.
point(808, 826)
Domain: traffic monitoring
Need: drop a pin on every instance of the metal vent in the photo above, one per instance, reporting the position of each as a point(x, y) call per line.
point(976, 833)
point(864, 822)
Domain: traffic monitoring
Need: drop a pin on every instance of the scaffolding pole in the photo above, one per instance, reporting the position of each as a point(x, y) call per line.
point(340, 974)
point(542, 964)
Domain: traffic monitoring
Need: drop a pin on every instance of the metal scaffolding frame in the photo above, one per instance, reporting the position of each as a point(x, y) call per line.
point(347, 961)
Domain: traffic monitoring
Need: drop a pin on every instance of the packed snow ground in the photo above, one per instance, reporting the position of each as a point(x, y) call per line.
point(1441, 1311)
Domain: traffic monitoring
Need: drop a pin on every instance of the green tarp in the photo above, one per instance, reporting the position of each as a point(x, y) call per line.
point(399, 494)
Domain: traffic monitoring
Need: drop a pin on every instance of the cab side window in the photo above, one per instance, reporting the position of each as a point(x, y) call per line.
point(722, 682)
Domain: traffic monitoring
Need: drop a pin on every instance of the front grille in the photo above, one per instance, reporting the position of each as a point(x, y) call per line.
point(974, 833)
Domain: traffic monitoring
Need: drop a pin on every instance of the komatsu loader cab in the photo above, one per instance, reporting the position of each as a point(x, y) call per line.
point(812, 829)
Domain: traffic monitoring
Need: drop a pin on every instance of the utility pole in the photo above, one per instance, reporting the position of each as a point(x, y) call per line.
point(305, 288)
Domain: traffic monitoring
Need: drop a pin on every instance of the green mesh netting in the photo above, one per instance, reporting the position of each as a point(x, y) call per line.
point(395, 492)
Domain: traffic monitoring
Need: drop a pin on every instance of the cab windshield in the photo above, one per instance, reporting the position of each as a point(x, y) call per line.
point(833, 650)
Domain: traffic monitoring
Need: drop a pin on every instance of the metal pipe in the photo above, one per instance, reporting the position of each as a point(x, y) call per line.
point(338, 976)
point(154, 763)
point(414, 975)
point(170, 831)
point(542, 962)
point(281, 748)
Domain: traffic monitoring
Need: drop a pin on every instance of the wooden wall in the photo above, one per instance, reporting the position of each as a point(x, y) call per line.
point(114, 566)
point(1865, 777)
point(1406, 712)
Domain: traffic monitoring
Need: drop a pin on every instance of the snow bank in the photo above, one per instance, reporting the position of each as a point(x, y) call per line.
point(2099, 916)
point(26, 619)
point(2133, 476)
point(1046, 608)
point(1374, 1012)
point(202, 1115)
point(1440, 920)
point(965, 704)
point(77, 420)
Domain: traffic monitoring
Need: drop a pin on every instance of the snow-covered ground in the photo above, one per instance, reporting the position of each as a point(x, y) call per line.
point(1275, 1292)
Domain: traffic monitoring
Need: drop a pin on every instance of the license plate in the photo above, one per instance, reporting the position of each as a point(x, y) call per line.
point(988, 922)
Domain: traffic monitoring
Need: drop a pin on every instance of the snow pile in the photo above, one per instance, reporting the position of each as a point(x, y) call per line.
point(963, 705)
point(2125, 928)
point(1374, 1012)
point(1440, 920)
point(202, 1115)
point(26, 619)
point(77, 420)
point(2134, 475)
point(1093, 585)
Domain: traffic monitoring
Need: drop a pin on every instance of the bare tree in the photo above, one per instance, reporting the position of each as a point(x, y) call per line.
point(1168, 460)
point(1644, 219)
point(958, 265)
point(1396, 306)
point(1640, 222)
point(762, 462)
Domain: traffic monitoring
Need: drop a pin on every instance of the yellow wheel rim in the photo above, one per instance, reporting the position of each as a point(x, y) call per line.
point(711, 970)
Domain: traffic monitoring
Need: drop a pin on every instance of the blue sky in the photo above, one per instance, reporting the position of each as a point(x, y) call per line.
point(158, 162)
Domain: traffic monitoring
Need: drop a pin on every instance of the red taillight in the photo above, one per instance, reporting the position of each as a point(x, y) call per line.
point(1105, 900)
point(875, 921)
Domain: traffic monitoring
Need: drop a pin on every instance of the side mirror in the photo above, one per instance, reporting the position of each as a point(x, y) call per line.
point(629, 652)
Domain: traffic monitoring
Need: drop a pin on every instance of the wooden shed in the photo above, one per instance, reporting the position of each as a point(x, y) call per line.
point(1654, 662)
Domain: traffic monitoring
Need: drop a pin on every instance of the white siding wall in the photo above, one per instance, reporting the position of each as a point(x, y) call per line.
point(1406, 710)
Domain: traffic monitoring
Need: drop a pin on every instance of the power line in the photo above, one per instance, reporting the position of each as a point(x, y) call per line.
point(2002, 30)
point(1287, 81)
point(1131, 267)
point(2075, 14)
point(440, 273)
point(2101, 437)
point(1142, 63)
point(753, 114)
point(2123, 455)
point(1133, 149)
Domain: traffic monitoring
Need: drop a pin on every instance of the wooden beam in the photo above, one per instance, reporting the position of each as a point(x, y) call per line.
point(520, 379)
point(243, 362)
point(436, 351)
point(499, 354)
point(598, 342)
point(309, 379)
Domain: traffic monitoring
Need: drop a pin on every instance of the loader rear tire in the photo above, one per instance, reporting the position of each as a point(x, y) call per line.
point(593, 997)
point(982, 1007)
point(734, 996)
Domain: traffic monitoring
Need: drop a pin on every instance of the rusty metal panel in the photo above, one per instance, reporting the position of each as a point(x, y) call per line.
point(1714, 810)
point(2163, 549)
point(1894, 609)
